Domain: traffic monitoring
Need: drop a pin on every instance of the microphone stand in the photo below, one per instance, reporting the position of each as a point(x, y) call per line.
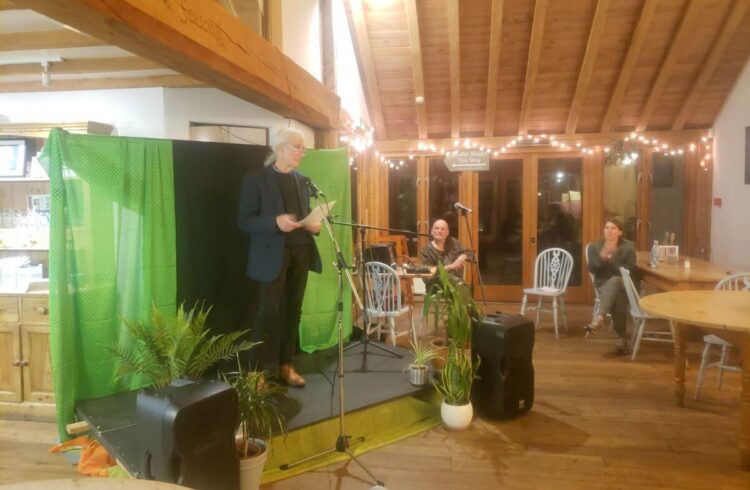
point(342, 269)
point(476, 253)
point(363, 282)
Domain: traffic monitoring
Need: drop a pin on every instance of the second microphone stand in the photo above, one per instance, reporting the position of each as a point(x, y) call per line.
point(476, 254)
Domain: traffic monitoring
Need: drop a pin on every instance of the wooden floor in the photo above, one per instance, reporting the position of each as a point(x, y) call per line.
point(599, 421)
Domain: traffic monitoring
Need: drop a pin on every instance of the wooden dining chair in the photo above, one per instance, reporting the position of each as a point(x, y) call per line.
point(641, 318)
point(736, 282)
point(552, 270)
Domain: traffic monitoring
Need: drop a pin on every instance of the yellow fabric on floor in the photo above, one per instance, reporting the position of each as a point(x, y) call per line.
point(380, 425)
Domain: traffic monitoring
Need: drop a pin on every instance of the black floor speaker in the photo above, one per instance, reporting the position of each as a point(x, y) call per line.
point(186, 435)
point(504, 345)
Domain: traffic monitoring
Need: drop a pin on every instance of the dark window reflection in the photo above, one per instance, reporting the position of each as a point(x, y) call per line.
point(667, 192)
point(500, 222)
point(402, 198)
point(443, 195)
point(559, 209)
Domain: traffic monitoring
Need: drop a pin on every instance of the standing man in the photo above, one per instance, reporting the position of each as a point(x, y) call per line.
point(281, 253)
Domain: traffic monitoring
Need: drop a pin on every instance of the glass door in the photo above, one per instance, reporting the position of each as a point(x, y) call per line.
point(499, 226)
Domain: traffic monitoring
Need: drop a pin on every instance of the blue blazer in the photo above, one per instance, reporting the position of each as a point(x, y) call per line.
point(260, 204)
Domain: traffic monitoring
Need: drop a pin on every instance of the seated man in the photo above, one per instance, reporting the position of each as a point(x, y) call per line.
point(446, 250)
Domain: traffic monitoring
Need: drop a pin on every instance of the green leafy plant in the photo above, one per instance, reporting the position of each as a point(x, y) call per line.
point(454, 307)
point(456, 378)
point(260, 407)
point(422, 354)
point(171, 347)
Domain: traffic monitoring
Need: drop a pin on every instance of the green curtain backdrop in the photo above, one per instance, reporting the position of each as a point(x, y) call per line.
point(329, 169)
point(112, 253)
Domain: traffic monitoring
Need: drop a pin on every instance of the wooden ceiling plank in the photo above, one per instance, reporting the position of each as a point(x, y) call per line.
point(368, 67)
point(412, 22)
point(723, 39)
point(57, 39)
point(205, 42)
point(172, 81)
point(454, 50)
point(676, 48)
point(587, 66)
point(83, 65)
point(532, 65)
point(626, 72)
point(494, 63)
point(8, 5)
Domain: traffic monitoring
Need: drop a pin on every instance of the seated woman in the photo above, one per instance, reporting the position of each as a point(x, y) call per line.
point(605, 259)
point(446, 250)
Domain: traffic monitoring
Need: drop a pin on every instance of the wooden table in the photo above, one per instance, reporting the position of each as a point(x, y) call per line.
point(674, 277)
point(727, 315)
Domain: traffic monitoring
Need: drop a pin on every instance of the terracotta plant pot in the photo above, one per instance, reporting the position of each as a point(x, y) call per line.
point(441, 349)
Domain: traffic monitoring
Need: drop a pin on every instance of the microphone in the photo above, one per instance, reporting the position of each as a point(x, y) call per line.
point(460, 206)
point(314, 189)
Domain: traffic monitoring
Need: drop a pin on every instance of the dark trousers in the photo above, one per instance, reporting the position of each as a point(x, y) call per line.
point(613, 300)
point(279, 308)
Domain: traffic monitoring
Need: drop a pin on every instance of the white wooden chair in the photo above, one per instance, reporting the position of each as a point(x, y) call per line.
point(736, 282)
point(384, 301)
point(552, 270)
point(641, 318)
point(597, 301)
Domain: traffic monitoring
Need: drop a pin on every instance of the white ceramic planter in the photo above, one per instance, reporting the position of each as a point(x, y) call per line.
point(251, 469)
point(456, 417)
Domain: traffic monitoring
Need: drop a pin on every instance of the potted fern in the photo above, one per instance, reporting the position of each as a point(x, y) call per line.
point(168, 348)
point(454, 383)
point(260, 417)
point(418, 367)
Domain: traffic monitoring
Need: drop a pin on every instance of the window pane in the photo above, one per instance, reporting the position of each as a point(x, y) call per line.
point(500, 222)
point(666, 198)
point(559, 211)
point(402, 199)
point(620, 196)
point(443, 195)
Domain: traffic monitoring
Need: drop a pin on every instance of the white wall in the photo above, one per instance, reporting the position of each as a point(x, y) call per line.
point(208, 105)
point(300, 31)
point(133, 112)
point(348, 83)
point(730, 224)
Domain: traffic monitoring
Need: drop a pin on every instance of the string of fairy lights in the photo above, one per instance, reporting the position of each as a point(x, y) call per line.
point(360, 138)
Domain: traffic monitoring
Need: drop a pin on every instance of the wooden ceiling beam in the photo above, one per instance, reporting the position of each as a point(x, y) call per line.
point(58, 39)
point(676, 48)
point(587, 139)
point(732, 22)
point(587, 66)
point(634, 51)
point(532, 65)
point(454, 60)
point(412, 23)
point(172, 81)
point(368, 67)
point(8, 5)
point(205, 42)
point(496, 31)
point(83, 65)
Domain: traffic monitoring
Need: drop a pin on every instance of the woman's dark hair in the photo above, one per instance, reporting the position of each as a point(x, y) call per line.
point(615, 221)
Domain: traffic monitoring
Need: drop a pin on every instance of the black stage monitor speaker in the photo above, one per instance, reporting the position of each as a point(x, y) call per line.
point(381, 252)
point(186, 435)
point(504, 345)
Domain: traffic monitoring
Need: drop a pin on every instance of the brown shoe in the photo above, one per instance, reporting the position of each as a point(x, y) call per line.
point(290, 376)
